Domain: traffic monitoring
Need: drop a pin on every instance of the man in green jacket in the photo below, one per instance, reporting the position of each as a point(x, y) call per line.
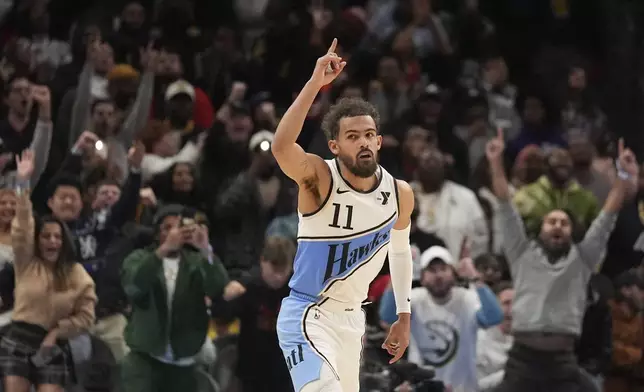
point(166, 285)
point(556, 190)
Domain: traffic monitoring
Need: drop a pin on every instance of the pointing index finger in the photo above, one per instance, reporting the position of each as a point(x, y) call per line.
point(499, 133)
point(333, 45)
point(620, 146)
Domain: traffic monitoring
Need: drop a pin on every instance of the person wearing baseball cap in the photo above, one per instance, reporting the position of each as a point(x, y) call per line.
point(261, 140)
point(263, 165)
point(446, 318)
point(179, 105)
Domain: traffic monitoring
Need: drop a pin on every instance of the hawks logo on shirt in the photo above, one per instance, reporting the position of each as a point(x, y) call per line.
point(442, 343)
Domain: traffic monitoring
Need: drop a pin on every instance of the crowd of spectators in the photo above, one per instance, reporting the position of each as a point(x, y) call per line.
point(145, 129)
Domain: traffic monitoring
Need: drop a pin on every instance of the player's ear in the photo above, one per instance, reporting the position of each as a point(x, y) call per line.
point(379, 141)
point(333, 146)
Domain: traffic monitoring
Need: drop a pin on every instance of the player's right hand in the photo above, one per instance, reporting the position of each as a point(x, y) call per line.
point(397, 340)
point(328, 67)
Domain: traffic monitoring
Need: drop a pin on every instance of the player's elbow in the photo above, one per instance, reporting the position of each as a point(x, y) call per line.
point(281, 155)
point(279, 151)
point(280, 147)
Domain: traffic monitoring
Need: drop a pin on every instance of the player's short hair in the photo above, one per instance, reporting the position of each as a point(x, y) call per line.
point(279, 252)
point(347, 107)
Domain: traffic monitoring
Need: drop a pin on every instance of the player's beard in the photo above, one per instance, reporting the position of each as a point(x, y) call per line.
point(363, 168)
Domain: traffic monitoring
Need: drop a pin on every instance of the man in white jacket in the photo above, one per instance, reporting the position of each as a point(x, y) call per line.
point(446, 209)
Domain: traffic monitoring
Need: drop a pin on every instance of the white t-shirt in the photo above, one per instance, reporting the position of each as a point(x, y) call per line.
point(444, 336)
point(170, 271)
point(492, 353)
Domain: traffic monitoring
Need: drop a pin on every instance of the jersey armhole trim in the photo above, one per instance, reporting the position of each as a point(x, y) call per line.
point(326, 199)
point(397, 196)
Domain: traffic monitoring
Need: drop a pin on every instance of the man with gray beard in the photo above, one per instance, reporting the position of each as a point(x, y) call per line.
point(550, 275)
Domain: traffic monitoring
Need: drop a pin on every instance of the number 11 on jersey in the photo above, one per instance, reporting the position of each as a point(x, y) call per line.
point(336, 217)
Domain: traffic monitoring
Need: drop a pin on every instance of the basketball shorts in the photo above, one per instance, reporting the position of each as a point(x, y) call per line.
point(321, 343)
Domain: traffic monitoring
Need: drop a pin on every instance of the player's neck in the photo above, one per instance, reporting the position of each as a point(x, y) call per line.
point(359, 183)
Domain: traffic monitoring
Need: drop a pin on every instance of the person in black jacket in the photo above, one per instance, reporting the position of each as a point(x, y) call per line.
point(243, 209)
point(96, 232)
point(255, 299)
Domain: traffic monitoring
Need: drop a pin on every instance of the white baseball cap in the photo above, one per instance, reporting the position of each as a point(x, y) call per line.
point(180, 87)
point(436, 252)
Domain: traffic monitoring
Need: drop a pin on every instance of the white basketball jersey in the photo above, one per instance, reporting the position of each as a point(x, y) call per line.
point(342, 246)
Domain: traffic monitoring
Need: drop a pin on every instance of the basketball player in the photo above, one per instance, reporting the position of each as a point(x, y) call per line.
point(352, 212)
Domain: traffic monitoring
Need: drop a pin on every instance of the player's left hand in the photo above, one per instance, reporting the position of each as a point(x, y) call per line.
point(398, 340)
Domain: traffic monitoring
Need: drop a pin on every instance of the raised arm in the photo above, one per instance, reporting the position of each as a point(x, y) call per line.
point(401, 270)
point(125, 208)
point(140, 110)
point(81, 106)
point(494, 152)
point(41, 142)
point(515, 240)
point(83, 96)
point(303, 168)
point(592, 248)
point(22, 227)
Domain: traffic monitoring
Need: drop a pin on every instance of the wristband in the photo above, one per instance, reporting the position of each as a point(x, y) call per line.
point(621, 173)
point(21, 187)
